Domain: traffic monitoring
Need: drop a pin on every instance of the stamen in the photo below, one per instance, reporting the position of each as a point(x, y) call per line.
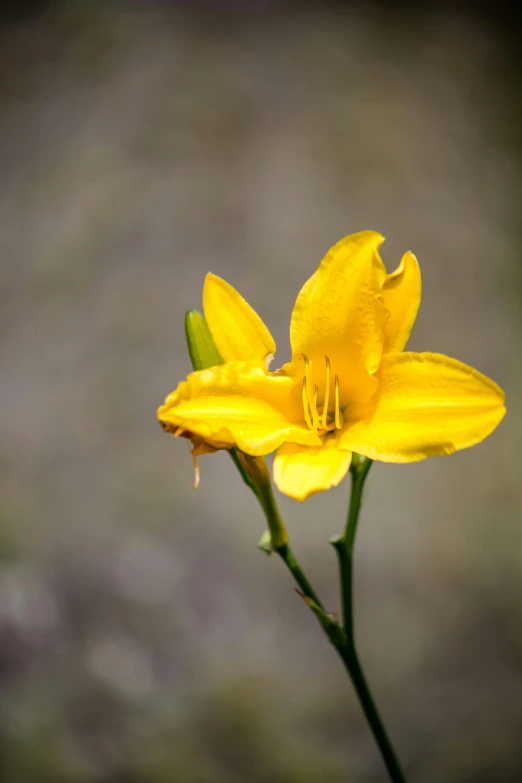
point(315, 415)
point(337, 409)
point(326, 395)
point(311, 413)
point(307, 401)
point(178, 432)
point(305, 406)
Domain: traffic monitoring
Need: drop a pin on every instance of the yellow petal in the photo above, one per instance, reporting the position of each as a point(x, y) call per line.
point(339, 314)
point(237, 330)
point(427, 404)
point(401, 295)
point(301, 471)
point(238, 405)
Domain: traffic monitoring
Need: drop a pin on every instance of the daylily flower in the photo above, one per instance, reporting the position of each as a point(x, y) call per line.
point(348, 388)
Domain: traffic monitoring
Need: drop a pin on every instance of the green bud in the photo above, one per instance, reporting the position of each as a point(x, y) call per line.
point(202, 350)
point(203, 353)
point(254, 471)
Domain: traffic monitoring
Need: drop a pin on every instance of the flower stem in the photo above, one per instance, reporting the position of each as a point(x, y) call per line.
point(344, 545)
point(353, 667)
point(279, 538)
point(288, 557)
point(341, 638)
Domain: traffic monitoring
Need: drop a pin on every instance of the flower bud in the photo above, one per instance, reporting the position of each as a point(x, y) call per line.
point(203, 353)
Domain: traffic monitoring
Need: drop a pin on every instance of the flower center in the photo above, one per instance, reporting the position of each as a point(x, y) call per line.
point(317, 417)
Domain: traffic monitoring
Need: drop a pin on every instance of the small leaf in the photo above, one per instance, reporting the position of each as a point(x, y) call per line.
point(265, 542)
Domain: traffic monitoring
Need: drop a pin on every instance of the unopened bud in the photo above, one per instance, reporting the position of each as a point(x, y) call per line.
point(202, 350)
point(203, 354)
point(254, 470)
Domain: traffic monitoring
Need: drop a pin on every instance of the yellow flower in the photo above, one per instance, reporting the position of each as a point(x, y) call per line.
point(348, 387)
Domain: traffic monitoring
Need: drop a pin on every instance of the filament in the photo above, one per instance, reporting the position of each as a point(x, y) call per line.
point(305, 406)
point(313, 420)
point(313, 405)
point(337, 409)
point(326, 395)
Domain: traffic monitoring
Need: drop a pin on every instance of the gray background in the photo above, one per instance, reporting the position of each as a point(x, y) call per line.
point(143, 636)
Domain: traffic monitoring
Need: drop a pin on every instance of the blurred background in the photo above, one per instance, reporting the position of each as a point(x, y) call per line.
point(143, 636)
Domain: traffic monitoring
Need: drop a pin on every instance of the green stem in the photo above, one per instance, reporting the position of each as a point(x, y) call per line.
point(341, 638)
point(279, 539)
point(244, 475)
point(287, 556)
point(354, 669)
point(344, 545)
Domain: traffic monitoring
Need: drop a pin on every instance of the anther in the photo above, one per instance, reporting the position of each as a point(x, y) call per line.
point(337, 409)
point(307, 367)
